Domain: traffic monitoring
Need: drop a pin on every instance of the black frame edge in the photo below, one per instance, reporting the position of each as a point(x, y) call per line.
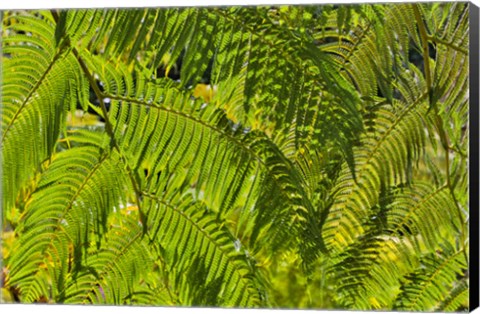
point(474, 191)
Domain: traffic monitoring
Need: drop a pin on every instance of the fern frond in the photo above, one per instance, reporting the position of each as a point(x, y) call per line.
point(369, 272)
point(384, 159)
point(397, 234)
point(457, 299)
point(181, 150)
point(209, 249)
point(35, 98)
point(81, 182)
point(418, 204)
point(425, 288)
point(119, 267)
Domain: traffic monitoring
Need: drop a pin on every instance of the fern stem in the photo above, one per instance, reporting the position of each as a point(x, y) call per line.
point(111, 134)
point(166, 282)
point(426, 58)
point(390, 129)
point(448, 44)
point(444, 140)
point(355, 46)
point(417, 206)
point(438, 120)
point(113, 262)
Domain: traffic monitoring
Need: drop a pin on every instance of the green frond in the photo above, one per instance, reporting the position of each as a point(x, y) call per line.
point(369, 273)
point(185, 160)
point(426, 288)
point(384, 159)
point(35, 99)
point(407, 224)
point(81, 182)
point(120, 266)
point(230, 280)
point(418, 204)
point(458, 298)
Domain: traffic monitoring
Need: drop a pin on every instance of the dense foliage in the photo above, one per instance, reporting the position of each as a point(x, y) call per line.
point(293, 156)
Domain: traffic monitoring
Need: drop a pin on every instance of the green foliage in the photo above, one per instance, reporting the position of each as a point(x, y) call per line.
point(301, 157)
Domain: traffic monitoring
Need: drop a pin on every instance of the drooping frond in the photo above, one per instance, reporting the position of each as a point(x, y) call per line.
point(35, 100)
point(422, 202)
point(368, 274)
point(384, 159)
point(426, 288)
point(80, 182)
point(456, 299)
point(209, 251)
point(395, 238)
point(201, 150)
point(267, 58)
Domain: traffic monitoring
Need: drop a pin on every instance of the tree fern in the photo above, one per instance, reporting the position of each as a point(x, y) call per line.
point(240, 156)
